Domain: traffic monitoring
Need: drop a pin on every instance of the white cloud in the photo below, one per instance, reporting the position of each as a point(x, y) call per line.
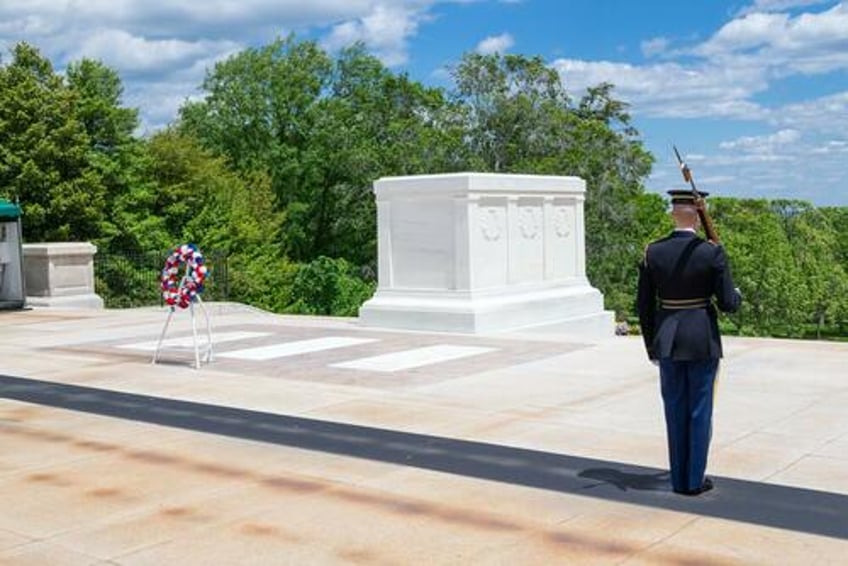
point(779, 5)
point(831, 147)
point(753, 30)
point(671, 89)
point(809, 43)
point(738, 62)
point(654, 46)
point(793, 170)
point(161, 48)
point(187, 19)
point(827, 115)
point(723, 77)
point(803, 158)
point(763, 144)
point(160, 36)
point(384, 30)
point(129, 53)
point(495, 44)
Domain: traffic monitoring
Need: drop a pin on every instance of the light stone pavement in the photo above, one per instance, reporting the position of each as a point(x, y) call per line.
point(509, 449)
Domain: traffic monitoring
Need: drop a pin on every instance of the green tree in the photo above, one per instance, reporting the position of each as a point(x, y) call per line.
point(515, 110)
point(328, 286)
point(837, 216)
point(323, 130)
point(199, 199)
point(519, 119)
point(99, 92)
point(119, 158)
point(44, 158)
point(652, 218)
point(763, 267)
point(258, 112)
point(815, 249)
point(372, 123)
point(190, 195)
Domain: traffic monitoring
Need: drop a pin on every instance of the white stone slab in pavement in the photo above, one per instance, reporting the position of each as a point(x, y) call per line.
point(408, 359)
point(188, 341)
point(272, 351)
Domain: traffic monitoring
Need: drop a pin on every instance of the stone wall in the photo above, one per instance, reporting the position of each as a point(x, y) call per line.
point(60, 275)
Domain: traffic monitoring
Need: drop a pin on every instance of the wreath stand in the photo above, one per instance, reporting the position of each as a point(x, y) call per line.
point(208, 354)
point(185, 295)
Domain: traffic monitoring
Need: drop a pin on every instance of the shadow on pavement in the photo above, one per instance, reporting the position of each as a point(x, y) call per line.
point(797, 509)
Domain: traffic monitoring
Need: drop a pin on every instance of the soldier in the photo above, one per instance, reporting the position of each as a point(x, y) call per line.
point(678, 278)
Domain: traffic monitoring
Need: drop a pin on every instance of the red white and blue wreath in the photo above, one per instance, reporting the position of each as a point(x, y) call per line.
point(182, 290)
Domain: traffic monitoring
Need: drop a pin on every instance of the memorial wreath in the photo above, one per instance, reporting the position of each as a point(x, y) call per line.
point(182, 290)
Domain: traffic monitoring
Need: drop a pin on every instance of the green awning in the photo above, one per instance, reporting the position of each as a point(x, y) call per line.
point(9, 211)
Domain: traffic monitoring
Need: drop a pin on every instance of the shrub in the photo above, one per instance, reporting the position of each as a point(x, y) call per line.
point(328, 286)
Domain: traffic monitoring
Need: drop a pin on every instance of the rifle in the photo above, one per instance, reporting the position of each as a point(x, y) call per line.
point(706, 221)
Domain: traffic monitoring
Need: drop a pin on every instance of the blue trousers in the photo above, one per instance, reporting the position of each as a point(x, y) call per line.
point(687, 392)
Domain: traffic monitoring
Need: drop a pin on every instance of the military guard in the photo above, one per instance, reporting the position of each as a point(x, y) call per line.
point(682, 279)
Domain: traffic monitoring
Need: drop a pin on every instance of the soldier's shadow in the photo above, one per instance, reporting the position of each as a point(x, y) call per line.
point(625, 480)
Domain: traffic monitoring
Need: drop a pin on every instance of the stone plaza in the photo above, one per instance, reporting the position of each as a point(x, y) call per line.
point(319, 441)
point(479, 411)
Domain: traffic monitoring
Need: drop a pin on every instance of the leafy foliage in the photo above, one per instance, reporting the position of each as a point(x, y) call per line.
point(273, 168)
point(519, 119)
point(762, 266)
point(816, 255)
point(328, 286)
point(44, 158)
point(322, 131)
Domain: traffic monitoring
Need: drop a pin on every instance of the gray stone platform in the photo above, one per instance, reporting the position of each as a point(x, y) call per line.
point(390, 447)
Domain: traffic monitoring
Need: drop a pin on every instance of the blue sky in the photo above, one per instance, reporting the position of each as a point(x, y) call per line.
point(755, 93)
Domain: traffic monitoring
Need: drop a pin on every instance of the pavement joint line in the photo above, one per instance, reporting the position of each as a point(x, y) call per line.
point(792, 508)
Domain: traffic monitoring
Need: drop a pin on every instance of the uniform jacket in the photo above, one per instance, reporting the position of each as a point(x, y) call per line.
point(679, 277)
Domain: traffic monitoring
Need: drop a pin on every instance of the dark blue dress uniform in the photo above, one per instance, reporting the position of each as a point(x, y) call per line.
point(679, 278)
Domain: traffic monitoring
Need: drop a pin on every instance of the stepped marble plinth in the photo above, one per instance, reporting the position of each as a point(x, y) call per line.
point(481, 253)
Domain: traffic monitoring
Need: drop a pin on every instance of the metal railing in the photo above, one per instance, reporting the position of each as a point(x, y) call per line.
point(126, 280)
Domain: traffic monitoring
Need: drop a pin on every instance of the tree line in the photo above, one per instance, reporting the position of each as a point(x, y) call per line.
point(273, 167)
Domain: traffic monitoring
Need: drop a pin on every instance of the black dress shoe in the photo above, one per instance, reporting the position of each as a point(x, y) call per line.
point(705, 487)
